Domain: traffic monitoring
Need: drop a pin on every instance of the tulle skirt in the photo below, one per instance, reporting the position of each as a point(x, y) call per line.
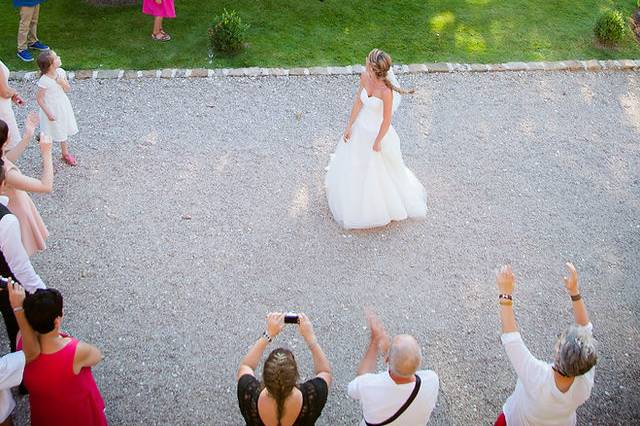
point(367, 189)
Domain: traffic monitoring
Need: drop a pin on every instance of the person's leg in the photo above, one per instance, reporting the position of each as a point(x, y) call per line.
point(26, 13)
point(32, 37)
point(9, 319)
point(157, 25)
point(66, 155)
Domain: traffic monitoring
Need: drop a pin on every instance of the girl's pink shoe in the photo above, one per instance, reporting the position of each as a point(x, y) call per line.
point(69, 159)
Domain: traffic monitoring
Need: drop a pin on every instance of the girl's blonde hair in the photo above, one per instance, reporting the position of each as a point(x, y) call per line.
point(380, 63)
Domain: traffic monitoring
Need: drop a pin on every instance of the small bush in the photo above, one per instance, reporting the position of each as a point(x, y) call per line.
point(609, 28)
point(227, 34)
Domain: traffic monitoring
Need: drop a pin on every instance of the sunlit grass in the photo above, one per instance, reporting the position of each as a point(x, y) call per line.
point(333, 32)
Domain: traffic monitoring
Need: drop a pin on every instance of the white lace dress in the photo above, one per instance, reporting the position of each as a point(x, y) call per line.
point(59, 105)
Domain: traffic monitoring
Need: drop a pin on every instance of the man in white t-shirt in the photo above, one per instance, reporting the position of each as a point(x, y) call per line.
point(547, 394)
point(402, 395)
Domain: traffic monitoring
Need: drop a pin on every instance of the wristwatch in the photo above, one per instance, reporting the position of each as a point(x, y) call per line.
point(266, 336)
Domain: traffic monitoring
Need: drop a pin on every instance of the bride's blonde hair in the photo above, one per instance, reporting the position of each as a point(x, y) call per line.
point(380, 63)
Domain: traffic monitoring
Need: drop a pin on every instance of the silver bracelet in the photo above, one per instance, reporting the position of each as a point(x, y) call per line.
point(266, 336)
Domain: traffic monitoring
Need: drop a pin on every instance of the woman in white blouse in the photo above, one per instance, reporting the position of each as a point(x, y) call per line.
point(547, 394)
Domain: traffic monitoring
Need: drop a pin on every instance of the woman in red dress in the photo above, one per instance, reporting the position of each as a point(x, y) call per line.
point(60, 384)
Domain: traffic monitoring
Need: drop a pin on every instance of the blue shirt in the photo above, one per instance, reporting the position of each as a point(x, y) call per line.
point(28, 3)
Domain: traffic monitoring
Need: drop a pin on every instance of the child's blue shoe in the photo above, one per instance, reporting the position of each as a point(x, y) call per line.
point(38, 45)
point(25, 55)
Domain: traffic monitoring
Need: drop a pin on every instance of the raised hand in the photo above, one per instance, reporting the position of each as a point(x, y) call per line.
point(375, 325)
point(275, 323)
point(16, 294)
point(31, 123)
point(306, 329)
point(378, 333)
point(571, 282)
point(506, 280)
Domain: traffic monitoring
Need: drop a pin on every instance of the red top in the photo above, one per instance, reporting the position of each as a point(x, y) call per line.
point(59, 397)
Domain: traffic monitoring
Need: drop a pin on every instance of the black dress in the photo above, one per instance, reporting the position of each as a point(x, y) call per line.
point(314, 396)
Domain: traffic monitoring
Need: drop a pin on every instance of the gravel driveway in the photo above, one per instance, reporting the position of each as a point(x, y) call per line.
point(198, 206)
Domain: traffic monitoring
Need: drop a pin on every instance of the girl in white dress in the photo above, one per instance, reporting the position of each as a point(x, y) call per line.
point(367, 183)
point(57, 119)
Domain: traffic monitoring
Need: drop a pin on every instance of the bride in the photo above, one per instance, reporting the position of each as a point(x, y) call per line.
point(367, 183)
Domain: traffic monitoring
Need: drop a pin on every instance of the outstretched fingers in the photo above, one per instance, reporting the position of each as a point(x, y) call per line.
point(571, 281)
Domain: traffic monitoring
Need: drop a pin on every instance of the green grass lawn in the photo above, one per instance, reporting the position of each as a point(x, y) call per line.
point(334, 32)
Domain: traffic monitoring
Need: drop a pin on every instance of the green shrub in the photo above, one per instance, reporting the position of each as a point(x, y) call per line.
point(609, 29)
point(227, 34)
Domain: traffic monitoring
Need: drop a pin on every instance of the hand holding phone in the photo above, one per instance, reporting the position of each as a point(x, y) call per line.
point(291, 318)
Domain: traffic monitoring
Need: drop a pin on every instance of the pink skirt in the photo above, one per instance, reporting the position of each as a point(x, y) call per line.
point(32, 229)
point(164, 9)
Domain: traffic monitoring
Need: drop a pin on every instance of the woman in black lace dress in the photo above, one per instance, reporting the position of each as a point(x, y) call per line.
point(280, 400)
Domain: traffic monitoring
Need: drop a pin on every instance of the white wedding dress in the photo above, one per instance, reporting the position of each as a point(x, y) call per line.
point(367, 189)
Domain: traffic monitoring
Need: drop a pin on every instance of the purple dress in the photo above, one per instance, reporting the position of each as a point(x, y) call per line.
point(164, 9)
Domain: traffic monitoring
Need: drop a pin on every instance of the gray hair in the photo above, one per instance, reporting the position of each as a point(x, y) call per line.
point(405, 356)
point(575, 351)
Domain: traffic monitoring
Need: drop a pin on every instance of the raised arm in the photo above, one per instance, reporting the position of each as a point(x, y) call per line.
point(248, 365)
point(577, 303)
point(506, 282)
point(528, 368)
point(45, 184)
point(29, 129)
point(30, 343)
point(378, 341)
point(357, 105)
point(321, 365)
point(387, 100)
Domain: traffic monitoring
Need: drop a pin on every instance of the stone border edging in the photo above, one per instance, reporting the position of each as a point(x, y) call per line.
point(439, 67)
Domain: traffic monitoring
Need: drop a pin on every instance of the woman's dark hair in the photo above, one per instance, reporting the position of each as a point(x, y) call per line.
point(280, 375)
point(42, 308)
point(4, 133)
point(45, 60)
point(2, 174)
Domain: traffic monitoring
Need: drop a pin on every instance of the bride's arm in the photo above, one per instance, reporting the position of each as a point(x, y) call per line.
point(357, 105)
point(386, 119)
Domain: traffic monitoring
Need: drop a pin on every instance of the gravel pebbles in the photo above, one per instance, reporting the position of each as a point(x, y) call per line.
point(198, 206)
